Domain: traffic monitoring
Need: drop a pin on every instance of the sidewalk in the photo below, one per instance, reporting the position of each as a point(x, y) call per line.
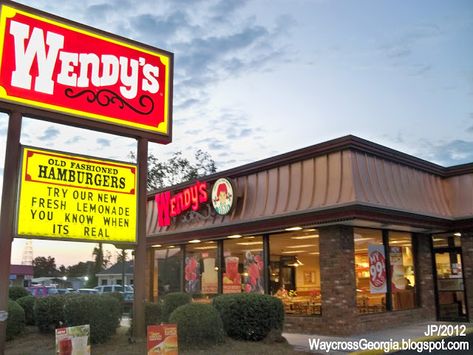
point(414, 332)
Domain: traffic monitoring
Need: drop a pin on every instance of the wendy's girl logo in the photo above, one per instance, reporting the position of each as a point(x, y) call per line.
point(223, 196)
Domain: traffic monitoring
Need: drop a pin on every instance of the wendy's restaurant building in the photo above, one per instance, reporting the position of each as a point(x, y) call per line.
point(349, 234)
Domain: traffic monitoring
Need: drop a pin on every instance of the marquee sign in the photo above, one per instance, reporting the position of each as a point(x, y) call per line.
point(70, 197)
point(53, 64)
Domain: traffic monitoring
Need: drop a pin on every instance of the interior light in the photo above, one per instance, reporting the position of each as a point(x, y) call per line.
point(250, 243)
point(457, 234)
point(293, 229)
point(301, 246)
point(234, 236)
point(293, 251)
point(157, 246)
point(300, 237)
point(194, 241)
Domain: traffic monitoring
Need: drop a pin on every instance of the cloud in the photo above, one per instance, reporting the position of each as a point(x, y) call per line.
point(49, 134)
point(74, 140)
point(103, 142)
point(451, 153)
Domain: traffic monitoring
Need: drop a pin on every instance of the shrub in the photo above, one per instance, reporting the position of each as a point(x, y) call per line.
point(249, 316)
point(49, 313)
point(173, 300)
point(27, 303)
point(16, 319)
point(16, 292)
point(153, 313)
point(102, 312)
point(197, 324)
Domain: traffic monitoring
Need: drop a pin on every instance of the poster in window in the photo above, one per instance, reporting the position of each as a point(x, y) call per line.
point(377, 262)
point(253, 280)
point(398, 280)
point(192, 274)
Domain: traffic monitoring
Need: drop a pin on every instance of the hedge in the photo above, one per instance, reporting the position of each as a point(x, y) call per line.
point(102, 312)
point(16, 292)
point(173, 300)
point(27, 303)
point(197, 325)
point(153, 313)
point(49, 313)
point(249, 316)
point(15, 321)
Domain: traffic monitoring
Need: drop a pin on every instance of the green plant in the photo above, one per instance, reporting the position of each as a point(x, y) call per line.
point(16, 292)
point(153, 313)
point(249, 316)
point(173, 300)
point(27, 303)
point(16, 319)
point(101, 312)
point(197, 324)
point(49, 313)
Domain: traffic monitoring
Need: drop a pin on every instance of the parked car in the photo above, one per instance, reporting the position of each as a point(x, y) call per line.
point(63, 291)
point(42, 291)
point(87, 291)
point(113, 288)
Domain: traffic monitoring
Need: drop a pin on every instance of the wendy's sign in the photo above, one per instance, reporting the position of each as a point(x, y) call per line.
point(56, 65)
point(172, 206)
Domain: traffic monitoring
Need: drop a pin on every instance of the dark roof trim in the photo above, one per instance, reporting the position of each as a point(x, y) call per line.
point(349, 142)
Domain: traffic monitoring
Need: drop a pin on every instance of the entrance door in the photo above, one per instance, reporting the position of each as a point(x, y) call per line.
point(451, 305)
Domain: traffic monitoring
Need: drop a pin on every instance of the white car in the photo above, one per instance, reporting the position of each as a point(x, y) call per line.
point(113, 288)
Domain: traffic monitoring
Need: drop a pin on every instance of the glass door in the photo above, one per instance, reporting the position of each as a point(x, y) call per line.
point(451, 303)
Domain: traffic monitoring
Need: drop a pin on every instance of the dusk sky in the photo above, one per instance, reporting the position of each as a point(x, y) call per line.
point(253, 79)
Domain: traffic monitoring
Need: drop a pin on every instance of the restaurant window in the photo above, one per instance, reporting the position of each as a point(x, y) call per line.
point(403, 281)
point(243, 267)
point(167, 270)
point(295, 271)
point(370, 270)
point(201, 271)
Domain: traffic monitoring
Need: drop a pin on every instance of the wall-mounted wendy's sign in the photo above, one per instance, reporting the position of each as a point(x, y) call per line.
point(223, 197)
point(190, 198)
point(53, 64)
point(70, 197)
point(189, 203)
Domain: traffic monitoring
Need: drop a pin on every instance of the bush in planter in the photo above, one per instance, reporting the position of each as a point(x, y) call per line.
point(27, 303)
point(153, 313)
point(197, 324)
point(249, 316)
point(16, 319)
point(101, 312)
point(49, 313)
point(173, 300)
point(16, 292)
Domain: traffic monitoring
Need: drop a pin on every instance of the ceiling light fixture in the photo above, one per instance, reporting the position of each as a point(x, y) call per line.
point(293, 229)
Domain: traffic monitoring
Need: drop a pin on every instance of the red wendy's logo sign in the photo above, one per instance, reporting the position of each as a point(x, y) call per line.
point(52, 64)
point(172, 206)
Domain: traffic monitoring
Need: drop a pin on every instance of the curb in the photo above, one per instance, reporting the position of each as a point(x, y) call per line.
point(468, 330)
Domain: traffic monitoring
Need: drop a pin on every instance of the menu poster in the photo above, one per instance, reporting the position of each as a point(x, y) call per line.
point(73, 340)
point(162, 339)
point(377, 261)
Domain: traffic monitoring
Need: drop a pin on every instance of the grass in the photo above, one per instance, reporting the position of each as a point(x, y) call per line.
point(34, 343)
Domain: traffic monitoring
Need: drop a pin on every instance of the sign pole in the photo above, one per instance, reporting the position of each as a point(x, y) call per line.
point(139, 330)
point(10, 181)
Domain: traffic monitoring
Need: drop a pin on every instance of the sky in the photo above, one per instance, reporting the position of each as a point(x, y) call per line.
point(257, 78)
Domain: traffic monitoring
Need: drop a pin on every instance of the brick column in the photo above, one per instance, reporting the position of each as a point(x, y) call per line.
point(424, 274)
point(337, 278)
point(467, 259)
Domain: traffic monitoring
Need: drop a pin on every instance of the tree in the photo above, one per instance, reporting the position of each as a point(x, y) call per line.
point(44, 267)
point(100, 264)
point(177, 169)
